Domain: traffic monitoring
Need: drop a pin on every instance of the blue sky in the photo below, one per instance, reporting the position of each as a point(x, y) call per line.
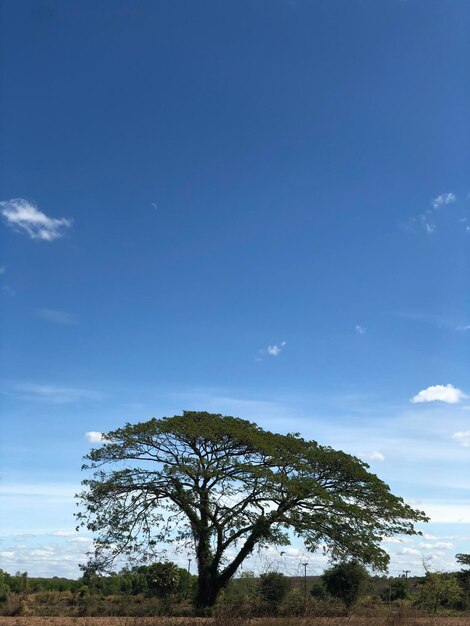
point(259, 208)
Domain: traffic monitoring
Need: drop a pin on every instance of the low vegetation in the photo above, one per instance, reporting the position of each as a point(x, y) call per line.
point(162, 590)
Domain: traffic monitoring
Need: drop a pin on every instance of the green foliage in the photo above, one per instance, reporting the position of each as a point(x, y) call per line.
point(439, 590)
point(463, 559)
point(464, 580)
point(162, 578)
point(397, 590)
point(4, 587)
point(133, 582)
point(273, 587)
point(319, 591)
point(226, 486)
point(346, 581)
point(246, 585)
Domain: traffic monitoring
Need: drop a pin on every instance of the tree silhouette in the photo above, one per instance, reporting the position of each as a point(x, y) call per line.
point(223, 485)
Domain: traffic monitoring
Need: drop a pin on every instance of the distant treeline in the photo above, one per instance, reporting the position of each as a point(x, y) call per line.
point(156, 580)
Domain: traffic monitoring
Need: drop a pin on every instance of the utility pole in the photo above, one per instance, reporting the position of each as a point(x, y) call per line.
point(406, 572)
point(305, 586)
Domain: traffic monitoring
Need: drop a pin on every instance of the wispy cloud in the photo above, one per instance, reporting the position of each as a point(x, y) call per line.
point(442, 200)
point(8, 290)
point(2, 269)
point(427, 219)
point(55, 394)
point(440, 545)
point(449, 321)
point(374, 455)
point(56, 317)
point(441, 393)
point(463, 437)
point(42, 490)
point(360, 330)
point(24, 216)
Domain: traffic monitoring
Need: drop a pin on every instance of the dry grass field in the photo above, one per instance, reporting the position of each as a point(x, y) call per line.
point(391, 620)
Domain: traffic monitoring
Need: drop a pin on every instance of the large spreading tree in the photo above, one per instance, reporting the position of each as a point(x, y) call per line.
point(225, 486)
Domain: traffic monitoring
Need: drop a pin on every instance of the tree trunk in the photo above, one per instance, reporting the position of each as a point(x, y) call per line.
point(208, 585)
point(207, 589)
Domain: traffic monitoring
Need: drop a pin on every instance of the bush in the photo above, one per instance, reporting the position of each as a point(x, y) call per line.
point(4, 588)
point(163, 579)
point(273, 588)
point(346, 581)
point(319, 591)
point(397, 590)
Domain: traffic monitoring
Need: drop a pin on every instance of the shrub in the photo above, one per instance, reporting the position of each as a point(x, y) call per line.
point(397, 590)
point(4, 588)
point(319, 591)
point(273, 588)
point(346, 581)
point(163, 579)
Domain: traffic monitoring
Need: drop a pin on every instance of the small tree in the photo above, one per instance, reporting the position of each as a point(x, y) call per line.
point(163, 578)
point(273, 588)
point(346, 581)
point(464, 578)
point(4, 587)
point(225, 486)
point(439, 590)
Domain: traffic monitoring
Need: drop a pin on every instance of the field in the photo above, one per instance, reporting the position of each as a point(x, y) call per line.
point(390, 620)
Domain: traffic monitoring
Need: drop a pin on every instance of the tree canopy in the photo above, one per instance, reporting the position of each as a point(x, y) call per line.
point(463, 559)
point(223, 486)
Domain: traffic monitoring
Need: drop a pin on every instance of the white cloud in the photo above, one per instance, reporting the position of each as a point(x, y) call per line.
point(375, 455)
point(427, 222)
point(57, 317)
point(63, 533)
point(442, 200)
point(411, 551)
point(25, 217)
point(81, 540)
point(2, 269)
point(442, 393)
point(360, 330)
point(445, 512)
point(94, 436)
point(463, 437)
point(7, 554)
point(57, 394)
point(426, 219)
point(442, 545)
point(42, 490)
point(276, 349)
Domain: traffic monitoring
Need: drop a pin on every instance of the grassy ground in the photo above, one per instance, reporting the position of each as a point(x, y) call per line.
point(390, 620)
